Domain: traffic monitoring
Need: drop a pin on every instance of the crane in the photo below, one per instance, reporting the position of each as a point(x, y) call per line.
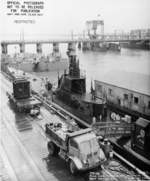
point(92, 25)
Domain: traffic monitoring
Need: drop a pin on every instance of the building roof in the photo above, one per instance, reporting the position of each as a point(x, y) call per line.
point(136, 82)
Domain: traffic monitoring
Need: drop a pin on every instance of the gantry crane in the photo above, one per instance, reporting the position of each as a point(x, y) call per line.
point(92, 25)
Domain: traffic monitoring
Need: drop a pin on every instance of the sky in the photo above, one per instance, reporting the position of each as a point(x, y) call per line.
point(65, 16)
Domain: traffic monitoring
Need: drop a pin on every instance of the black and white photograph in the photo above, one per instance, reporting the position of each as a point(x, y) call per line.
point(75, 90)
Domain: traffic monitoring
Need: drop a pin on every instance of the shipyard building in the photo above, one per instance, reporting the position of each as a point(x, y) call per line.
point(140, 33)
point(125, 92)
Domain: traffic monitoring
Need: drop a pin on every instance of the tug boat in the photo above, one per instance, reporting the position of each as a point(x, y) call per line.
point(114, 47)
point(136, 147)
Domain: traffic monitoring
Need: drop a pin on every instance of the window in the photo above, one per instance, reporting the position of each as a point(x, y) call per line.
point(119, 101)
point(148, 104)
point(73, 144)
point(136, 100)
point(99, 88)
point(110, 92)
point(126, 96)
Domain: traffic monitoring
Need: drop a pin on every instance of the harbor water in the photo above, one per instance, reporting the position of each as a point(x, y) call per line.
point(98, 64)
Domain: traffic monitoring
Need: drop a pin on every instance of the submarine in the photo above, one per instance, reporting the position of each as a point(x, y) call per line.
point(71, 92)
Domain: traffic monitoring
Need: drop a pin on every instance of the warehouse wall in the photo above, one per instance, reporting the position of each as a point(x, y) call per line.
point(123, 97)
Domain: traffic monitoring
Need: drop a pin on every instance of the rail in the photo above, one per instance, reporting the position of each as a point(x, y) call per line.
point(112, 129)
point(59, 110)
point(132, 166)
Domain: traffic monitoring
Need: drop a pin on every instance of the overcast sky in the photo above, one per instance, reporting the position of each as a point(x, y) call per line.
point(63, 16)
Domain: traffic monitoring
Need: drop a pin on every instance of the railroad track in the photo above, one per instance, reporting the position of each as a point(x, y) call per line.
point(109, 172)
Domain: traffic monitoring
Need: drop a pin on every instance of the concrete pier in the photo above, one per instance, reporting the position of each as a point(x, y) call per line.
point(71, 47)
point(83, 42)
point(55, 47)
point(4, 48)
point(39, 48)
point(22, 47)
point(86, 46)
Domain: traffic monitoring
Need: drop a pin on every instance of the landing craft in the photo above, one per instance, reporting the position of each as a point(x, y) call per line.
point(30, 62)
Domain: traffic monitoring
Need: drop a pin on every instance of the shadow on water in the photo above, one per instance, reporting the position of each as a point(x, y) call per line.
point(134, 52)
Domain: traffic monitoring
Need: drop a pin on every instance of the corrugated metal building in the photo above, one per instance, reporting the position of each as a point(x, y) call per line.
point(130, 91)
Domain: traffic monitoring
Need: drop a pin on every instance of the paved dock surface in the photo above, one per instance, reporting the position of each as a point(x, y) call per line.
point(26, 151)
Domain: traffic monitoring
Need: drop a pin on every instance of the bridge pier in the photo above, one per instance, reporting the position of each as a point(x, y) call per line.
point(102, 30)
point(55, 47)
point(4, 48)
point(148, 44)
point(71, 49)
point(39, 48)
point(79, 45)
point(86, 46)
point(56, 52)
point(22, 47)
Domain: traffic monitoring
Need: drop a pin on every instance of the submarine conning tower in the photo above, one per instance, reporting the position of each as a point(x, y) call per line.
point(74, 70)
point(72, 82)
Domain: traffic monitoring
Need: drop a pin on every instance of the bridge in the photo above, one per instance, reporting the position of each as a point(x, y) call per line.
point(121, 38)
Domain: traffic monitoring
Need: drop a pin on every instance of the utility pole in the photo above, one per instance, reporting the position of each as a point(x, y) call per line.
point(72, 34)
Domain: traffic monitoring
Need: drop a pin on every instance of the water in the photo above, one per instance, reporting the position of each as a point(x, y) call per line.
point(98, 64)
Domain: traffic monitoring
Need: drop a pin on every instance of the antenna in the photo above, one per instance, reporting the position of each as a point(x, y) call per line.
point(22, 34)
point(92, 86)
point(72, 34)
